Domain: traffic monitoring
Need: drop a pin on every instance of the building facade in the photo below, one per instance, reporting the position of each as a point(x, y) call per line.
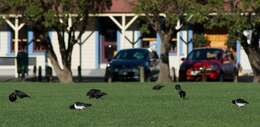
point(115, 29)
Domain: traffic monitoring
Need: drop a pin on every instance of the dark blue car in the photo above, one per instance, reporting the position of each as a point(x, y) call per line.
point(127, 62)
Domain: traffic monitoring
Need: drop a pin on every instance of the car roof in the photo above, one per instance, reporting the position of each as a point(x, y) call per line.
point(134, 49)
point(208, 49)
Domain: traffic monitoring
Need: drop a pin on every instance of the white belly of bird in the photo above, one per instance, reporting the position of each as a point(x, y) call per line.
point(241, 104)
point(79, 107)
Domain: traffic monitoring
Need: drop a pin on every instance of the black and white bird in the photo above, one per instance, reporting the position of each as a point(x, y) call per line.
point(240, 102)
point(12, 97)
point(21, 94)
point(178, 87)
point(95, 93)
point(79, 106)
point(182, 94)
point(158, 87)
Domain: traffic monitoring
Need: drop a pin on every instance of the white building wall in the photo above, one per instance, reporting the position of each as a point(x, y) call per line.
point(245, 63)
point(175, 58)
point(89, 53)
point(55, 44)
point(126, 44)
point(183, 39)
point(4, 43)
point(90, 56)
point(75, 60)
point(5, 70)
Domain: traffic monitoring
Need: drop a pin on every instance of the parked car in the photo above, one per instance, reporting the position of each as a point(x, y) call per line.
point(126, 65)
point(208, 64)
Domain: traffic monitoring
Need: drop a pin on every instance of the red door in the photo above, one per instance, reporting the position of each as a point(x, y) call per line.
point(108, 50)
point(108, 45)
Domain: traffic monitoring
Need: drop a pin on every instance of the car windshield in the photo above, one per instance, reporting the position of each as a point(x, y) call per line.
point(132, 55)
point(205, 54)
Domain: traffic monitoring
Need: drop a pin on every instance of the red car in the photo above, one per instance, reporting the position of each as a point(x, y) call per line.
point(208, 64)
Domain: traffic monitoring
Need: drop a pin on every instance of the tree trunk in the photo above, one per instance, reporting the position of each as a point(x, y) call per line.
point(253, 53)
point(164, 75)
point(254, 58)
point(64, 75)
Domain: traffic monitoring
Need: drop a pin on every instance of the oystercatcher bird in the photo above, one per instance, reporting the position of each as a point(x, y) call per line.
point(240, 102)
point(21, 94)
point(12, 97)
point(182, 94)
point(158, 87)
point(95, 93)
point(178, 87)
point(79, 106)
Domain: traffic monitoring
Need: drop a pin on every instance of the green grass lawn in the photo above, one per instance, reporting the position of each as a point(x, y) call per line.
point(131, 105)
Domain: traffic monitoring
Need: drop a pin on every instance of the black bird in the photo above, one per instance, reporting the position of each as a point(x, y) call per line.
point(21, 94)
point(79, 106)
point(182, 94)
point(92, 91)
point(95, 93)
point(240, 102)
point(178, 87)
point(158, 87)
point(12, 97)
point(99, 95)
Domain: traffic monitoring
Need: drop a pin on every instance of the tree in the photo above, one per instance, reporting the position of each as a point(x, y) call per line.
point(200, 40)
point(163, 16)
point(45, 15)
point(242, 18)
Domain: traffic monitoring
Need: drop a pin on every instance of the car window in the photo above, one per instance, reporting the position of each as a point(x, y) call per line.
point(205, 54)
point(228, 57)
point(131, 55)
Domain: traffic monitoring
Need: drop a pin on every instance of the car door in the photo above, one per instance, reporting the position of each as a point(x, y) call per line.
point(229, 66)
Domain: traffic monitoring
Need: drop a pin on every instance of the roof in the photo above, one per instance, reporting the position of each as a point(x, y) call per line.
point(121, 6)
point(127, 6)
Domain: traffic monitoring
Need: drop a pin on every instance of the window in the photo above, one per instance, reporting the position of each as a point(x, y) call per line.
point(38, 45)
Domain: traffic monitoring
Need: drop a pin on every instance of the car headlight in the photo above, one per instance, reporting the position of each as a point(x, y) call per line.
point(202, 69)
point(108, 65)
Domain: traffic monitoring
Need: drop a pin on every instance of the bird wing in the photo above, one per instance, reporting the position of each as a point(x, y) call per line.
point(92, 91)
point(242, 101)
point(21, 94)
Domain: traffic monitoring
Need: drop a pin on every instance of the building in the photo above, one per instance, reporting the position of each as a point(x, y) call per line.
point(113, 30)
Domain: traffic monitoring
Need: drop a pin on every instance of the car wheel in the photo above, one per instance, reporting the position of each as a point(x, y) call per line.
point(235, 76)
point(221, 77)
point(148, 77)
point(108, 77)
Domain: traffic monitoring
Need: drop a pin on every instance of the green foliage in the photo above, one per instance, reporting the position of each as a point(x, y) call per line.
point(237, 16)
point(145, 29)
point(46, 12)
point(164, 14)
point(199, 40)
